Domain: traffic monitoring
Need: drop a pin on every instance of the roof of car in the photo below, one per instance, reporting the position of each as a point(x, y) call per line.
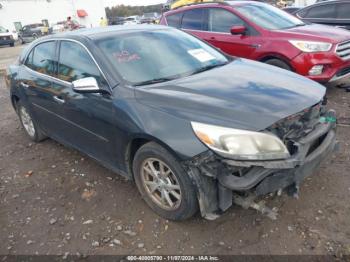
point(98, 32)
point(224, 3)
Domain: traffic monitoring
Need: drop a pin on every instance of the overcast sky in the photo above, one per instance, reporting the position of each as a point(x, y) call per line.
point(132, 2)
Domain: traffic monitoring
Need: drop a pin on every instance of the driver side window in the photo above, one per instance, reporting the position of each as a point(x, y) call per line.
point(76, 63)
point(221, 20)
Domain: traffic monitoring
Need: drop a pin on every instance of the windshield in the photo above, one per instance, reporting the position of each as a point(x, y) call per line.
point(158, 55)
point(2, 30)
point(269, 17)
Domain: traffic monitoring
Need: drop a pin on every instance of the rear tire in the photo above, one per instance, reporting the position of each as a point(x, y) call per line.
point(163, 183)
point(29, 125)
point(12, 45)
point(279, 63)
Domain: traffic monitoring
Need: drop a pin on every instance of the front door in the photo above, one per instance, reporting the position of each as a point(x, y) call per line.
point(88, 118)
point(219, 34)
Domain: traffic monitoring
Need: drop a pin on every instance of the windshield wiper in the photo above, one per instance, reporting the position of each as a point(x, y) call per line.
point(155, 81)
point(208, 67)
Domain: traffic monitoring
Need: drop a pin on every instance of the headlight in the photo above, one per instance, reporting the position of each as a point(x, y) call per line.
point(240, 144)
point(308, 46)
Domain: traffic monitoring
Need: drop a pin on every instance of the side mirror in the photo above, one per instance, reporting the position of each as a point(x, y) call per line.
point(86, 85)
point(238, 30)
point(7, 30)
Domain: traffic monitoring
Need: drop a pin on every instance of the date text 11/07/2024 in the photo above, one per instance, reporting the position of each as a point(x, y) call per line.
point(173, 258)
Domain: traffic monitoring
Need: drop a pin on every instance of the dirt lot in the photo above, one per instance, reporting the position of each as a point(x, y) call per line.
point(54, 200)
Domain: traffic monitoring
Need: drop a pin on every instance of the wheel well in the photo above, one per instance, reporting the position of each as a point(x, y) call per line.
point(14, 100)
point(266, 58)
point(131, 151)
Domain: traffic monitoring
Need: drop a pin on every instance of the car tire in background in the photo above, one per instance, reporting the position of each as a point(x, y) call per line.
point(279, 63)
point(29, 124)
point(163, 183)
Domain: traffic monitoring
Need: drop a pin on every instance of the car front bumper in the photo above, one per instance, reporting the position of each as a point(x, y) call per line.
point(218, 182)
point(341, 78)
point(269, 176)
point(334, 67)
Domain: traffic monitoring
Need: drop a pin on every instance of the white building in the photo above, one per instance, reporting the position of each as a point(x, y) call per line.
point(86, 12)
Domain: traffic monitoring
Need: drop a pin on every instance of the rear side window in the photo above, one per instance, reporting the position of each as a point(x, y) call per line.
point(42, 58)
point(343, 11)
point(174, 20)
point(76, 63)
point(221, 20)
point(323, 11)
point(193, 19)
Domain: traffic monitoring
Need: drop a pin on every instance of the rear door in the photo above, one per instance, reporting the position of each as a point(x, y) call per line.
point(194, 21)
point(36, 82)
point(219, 34)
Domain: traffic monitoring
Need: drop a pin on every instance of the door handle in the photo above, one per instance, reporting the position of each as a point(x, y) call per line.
point(212, 38)
point(24, 85)
point(59, 100)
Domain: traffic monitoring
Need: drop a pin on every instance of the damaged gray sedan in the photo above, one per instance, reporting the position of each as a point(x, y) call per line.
point(195, 129)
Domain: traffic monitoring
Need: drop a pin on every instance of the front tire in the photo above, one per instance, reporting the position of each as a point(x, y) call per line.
point(29, 124)
point(163, 183)
point(279, 63)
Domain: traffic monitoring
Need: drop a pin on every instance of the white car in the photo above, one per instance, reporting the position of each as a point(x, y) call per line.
point(6, 37)
point(132, 20)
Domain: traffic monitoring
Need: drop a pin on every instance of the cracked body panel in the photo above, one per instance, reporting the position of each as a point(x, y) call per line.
point(220, 181)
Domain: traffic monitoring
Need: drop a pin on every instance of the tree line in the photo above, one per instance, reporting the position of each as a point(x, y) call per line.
point(127, 10)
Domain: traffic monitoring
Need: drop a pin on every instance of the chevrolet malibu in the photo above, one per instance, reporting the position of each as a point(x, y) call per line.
point(195, 129)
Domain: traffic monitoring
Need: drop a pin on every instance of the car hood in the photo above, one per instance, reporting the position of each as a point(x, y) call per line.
point(317, 32)
point(243, 94)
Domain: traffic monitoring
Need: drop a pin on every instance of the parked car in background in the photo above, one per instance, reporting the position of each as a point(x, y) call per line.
point(150, 18)
point(291, 9)
point(31, 32)
point(333, 13)
point(194, 134)
point(265, 33)
point(61, 26)
point(117, 20)
point(58, 27)
point(6, 37)
point(132, 20)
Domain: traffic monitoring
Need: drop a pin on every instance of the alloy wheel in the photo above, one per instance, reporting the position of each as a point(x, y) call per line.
point(161, 184)
point(27, 122)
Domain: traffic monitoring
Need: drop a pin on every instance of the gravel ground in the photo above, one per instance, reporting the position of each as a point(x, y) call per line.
point(54, 200)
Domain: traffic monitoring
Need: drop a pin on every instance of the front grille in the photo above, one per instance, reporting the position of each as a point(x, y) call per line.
point(343, 50)
point(299, 125)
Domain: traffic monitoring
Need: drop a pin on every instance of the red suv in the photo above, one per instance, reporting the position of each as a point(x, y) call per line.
point(265, 33)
